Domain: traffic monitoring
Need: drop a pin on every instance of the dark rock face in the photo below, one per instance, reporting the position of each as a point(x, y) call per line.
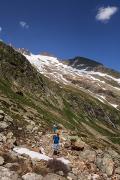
point(83, 63)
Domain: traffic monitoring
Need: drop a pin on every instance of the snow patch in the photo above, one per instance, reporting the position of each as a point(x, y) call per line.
point(114, 105)
point(105, 75)
point(36, 155)
point(32, 154)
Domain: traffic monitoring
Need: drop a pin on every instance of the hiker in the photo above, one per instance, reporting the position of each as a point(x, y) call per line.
point(56, 146)
point(55, 128)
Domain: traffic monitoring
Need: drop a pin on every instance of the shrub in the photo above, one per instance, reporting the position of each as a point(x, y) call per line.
point(57, 165)
point(73, 141)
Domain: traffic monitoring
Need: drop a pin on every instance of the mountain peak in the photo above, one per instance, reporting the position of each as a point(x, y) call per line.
point(83, 63)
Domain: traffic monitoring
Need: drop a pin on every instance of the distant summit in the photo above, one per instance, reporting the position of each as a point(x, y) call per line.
point(45, 53)
point(23, 51)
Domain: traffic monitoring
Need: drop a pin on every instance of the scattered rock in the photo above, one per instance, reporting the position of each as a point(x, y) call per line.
point(6, 174)
point(3, 125)
point(67, 145)
point(11, 165)
point(9, 135)
point(61, 173)
point(8, 118)
point(32, 176)
point(29, 127)
point(96, 177)
point(2, 138)
point(75, 171)
point(115, 177)
point(51, 176)
point(85, 176)
point(2, 112)
point(88, 155)
point(117, 170)
point(81, 166)
point(91, 166)
point(71, 176)
point(77, 145)
point(1, 117)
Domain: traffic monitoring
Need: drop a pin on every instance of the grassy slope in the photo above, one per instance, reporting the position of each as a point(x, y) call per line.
point(75, 109)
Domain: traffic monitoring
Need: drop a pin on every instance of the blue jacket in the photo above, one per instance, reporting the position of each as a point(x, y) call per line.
point(56, 139)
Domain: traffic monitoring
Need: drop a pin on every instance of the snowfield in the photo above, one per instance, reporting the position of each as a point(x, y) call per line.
point(51, 65)
point(56, 70)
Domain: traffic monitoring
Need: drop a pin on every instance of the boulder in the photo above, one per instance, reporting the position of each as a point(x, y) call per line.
point(11, 165)
point(116, 177)
point(6, 174)
point(96, 177)
point(67, 145)
point(117, 170)
point(91, 166)
point(1, 160)
point(60, 173)
point(85, 176)
point(71, 176)
point(2, 138)
point(3, 125)
point(8, 118)
point(29, 127)
point(77, 145)
point(1, 117)
point(32, 176)
point(10, 142)
point(2, 112)
point(105, 164)
point(9, 135)
point(88, 155)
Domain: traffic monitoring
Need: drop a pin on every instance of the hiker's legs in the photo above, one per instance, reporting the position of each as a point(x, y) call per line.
point(57, 147)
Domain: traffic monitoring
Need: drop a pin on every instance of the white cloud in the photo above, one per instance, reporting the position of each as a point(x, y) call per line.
point(104, 14)
point(23, 24)
point(0, 29)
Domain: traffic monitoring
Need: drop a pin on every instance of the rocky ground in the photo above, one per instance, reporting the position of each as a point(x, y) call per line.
point(86, 163)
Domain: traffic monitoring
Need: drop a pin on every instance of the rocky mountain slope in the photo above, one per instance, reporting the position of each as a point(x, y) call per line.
point(37, 91)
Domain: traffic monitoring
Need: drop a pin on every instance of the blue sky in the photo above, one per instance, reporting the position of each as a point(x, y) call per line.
point(66, 28)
